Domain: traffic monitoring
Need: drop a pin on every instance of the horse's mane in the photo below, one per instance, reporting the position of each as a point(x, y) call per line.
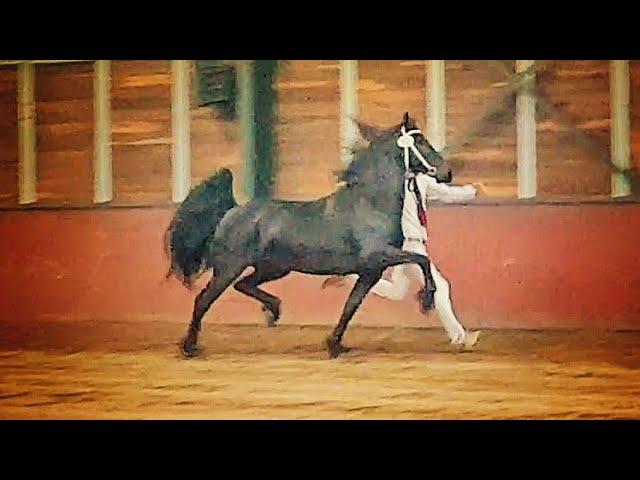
point(363, 157)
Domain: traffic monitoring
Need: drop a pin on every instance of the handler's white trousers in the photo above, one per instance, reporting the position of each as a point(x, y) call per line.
point(398, 287)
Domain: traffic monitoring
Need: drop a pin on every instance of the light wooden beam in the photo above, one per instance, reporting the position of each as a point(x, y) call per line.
point(17, 62)
point(436, 104)
point(102, 169)
point(180, 122)
point(620, 125)
point(247, 116)
point(526, 132)
point(348, 108)
point(27, 155)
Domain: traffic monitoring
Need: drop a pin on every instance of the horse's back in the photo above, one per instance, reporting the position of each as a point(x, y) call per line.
point(310, 237)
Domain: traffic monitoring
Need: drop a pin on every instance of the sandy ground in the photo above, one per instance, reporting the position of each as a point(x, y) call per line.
point(128, 370)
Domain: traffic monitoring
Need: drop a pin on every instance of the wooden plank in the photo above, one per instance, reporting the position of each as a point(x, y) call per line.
point(180, 121)
point(349, 109)
point(436, 127)
point(141, 173)
point(27, 153)
point(102, 164)
point(141, 125)
point(8, 136)
point(526, 132)
point(620, 124)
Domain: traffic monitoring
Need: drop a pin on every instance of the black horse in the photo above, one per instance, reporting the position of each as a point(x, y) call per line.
point(356, 230)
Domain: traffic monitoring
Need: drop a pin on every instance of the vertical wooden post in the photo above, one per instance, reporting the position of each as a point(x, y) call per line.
point(348, 107)
point(246, 113)
point(265, 106)
point(102, 170)
point(27, 155)
point(526, 133)
point(436, 104)
point(180, 121)
point(620, 125)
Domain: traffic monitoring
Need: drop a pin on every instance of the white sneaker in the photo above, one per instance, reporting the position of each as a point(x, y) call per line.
point(468, 341)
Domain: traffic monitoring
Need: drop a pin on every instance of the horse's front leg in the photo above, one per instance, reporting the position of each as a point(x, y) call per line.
point(390, 256)
point(365, 282)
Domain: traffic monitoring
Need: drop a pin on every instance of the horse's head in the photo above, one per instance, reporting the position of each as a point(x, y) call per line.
point(422, 157)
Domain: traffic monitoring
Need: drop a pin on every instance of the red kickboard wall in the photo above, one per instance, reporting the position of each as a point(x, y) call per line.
point(510, 266)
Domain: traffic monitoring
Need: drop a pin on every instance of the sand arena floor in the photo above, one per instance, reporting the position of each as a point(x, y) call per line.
point(130, 370)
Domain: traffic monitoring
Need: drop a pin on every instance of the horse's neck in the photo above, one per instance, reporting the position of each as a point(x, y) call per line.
point(385, 200)
point(377, 188)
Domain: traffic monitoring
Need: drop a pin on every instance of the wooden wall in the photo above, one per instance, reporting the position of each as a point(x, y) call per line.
point(635, 113)
point(489, 153)
point(308, 128)
point(308, 132)
point(8, 137)
point(580, 91)
point(64, 133)
point(141, 131)
point(526, 270)
point(215, 143)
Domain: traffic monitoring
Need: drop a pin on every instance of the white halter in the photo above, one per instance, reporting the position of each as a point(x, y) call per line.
point(406, 142)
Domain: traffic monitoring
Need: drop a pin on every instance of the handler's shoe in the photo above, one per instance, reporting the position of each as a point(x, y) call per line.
point(468, 341)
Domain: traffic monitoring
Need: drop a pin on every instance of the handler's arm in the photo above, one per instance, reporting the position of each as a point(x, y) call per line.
point(443, 192)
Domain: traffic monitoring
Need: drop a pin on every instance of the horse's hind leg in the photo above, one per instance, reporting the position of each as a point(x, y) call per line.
point(249, 286)
point(218, 284)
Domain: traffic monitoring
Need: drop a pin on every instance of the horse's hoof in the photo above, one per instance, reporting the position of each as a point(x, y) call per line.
point(335, 347)
point(270, 318)
point(189, 349)
point(428, 301)
point(189, 352)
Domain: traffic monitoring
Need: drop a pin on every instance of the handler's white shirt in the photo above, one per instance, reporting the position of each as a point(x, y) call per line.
point(432, 190)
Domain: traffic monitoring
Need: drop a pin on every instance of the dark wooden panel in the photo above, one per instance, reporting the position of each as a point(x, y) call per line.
point(387, 89)
point(635, 113)
point(579, 89)
point(8, 137)
point(308, 132)
point(482, 150)
point(308, 128)
point(64, 81)
point(64, 129)
point(141, 174)
point(65, 177)
point(215, 143)
point(141, 131)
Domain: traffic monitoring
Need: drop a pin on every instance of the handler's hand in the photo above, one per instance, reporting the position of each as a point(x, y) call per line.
point(481, 191)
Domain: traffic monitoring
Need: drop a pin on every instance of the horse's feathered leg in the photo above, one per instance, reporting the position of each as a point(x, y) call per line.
point(365, 282)
point(249, 286)
point(215, 287)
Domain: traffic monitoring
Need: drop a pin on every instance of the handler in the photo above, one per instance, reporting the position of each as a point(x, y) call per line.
point(418, 189)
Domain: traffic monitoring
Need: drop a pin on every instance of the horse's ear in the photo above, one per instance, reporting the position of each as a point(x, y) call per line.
point(405, 119)
point(368, 132)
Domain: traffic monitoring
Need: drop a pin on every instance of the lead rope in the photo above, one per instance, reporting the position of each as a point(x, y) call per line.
point(422, 213)
point(406, 142)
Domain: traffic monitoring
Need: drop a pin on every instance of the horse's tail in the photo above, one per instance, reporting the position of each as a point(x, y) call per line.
point(194, 224)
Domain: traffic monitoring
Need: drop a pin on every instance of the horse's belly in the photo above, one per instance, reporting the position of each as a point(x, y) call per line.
point(316, 258)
